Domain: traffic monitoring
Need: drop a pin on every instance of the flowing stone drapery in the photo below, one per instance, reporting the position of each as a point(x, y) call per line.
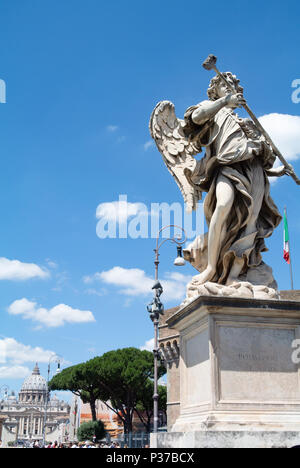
point(234, 150)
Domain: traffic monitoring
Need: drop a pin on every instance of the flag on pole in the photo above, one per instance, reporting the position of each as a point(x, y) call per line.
point(286, 242)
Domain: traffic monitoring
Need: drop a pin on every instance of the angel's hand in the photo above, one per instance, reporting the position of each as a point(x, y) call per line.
point(235, 100)
point(288, 169)
point(280, 171)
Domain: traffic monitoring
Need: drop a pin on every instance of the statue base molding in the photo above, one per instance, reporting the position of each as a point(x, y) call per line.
point(238, 373)
point(225, 439)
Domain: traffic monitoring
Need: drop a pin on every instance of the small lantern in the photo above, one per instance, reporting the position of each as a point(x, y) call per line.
point(58, 368)
point(179, 261)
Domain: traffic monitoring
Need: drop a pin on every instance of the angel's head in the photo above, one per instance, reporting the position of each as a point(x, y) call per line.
point(217, 87)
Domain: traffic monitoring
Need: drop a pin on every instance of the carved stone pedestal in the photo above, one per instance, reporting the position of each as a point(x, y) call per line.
point(239, 385)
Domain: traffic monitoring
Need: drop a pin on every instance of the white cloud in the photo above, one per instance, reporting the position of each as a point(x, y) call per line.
point(14, 354)
point(51, 264)
point(61, 278)
point(19, 271)
point(148, 144)
point(135, 282)
point(93, 291)
point(148, 346)
point(55, 317)
point(284, 129)
point(18, 353)
point(120, 211)
point(14, 372)
point(112, 128)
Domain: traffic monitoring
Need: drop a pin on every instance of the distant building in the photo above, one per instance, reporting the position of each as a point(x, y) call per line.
point(23, 418)
point(1, 423)
point(74, 417)
point(112, 423)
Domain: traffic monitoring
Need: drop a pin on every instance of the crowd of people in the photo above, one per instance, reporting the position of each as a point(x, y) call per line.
point(86, 444)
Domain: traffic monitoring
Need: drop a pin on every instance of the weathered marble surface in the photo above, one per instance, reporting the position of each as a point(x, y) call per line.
point(258, 282)
point(237, 289)
point(225, 439)
point(236, 368)
point(255, 362)
point(196, 254)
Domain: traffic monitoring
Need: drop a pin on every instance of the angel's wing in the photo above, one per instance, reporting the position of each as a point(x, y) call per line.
point(176, 149)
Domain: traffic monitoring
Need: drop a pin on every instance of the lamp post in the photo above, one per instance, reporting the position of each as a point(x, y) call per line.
point(4, 388)
point(156, 308)
point(58, 359)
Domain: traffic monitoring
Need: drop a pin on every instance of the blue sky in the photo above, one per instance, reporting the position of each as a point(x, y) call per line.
point(82, 79)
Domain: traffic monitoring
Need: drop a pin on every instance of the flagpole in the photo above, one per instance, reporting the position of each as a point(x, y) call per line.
point(291, 269)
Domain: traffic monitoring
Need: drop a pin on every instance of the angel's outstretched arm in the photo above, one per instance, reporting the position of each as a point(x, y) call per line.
point(208, 109)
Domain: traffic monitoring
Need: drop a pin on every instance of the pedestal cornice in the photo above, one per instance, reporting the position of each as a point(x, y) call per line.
point(215, 304)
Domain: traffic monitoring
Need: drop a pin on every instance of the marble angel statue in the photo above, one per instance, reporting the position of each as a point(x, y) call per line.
point(238, 208)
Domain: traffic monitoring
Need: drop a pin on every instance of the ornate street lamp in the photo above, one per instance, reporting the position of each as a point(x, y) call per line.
point(57, 359)
point(156, 308)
